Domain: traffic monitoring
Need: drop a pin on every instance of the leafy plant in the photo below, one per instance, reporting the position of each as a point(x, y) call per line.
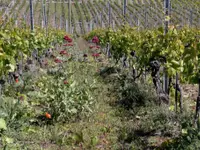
point(66, 100)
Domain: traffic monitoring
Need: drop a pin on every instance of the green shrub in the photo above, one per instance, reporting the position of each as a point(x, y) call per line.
point(14, 111)
point(189, 140)
point(66, 99)
point(132, 94)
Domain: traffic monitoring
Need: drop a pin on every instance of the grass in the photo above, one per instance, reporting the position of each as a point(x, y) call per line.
point(118, 121)
point(89, 131)
point(98, 126)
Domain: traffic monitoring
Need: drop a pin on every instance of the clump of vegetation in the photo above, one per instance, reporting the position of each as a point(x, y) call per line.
point(146, 123)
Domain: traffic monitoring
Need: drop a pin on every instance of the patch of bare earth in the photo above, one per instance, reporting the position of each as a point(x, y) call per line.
point(190, 91)
point(82, 44)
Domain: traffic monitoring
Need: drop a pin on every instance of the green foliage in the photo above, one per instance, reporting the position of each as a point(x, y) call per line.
point(12, 111)
point(15, 40)
point(65, 101)
point(3, 124)
point(102, 34)
point(143, 124)
point(189, 140)
point(14, 114)
point(133, 94)
point(180, 48)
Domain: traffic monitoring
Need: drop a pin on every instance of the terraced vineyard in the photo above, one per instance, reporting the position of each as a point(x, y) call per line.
point(90, 14)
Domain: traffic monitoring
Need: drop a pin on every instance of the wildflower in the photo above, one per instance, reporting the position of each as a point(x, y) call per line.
point(68, 39)
point(97, 46)
point(47, 115)
point(65, 82)
point(96, 55)
point(21, 98)
point(91, 47)
point(16, 80)
point(95, 39)
point(63, 52)
point(57, 60)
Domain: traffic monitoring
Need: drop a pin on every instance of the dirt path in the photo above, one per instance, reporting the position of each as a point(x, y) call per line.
point(190, 91)
point(82, 44)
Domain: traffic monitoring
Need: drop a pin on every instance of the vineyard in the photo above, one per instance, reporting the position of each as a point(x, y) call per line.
point(90, 14)
point(100, 75)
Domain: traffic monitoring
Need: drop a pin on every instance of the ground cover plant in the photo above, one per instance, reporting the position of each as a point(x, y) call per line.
point(69, 98)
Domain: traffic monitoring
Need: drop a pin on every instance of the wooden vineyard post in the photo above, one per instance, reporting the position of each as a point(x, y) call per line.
point(55, 14)
point(146, 21)
point(16, 23)
point(96, 21)
point(191, 18)
point(101, 17)
point(109, 14)
point(199, 21)
point(119, 1)
point(88, 26)
point(197, 116)
point(91, 22)
point(176, 93)
point(124, 9)
point(24, 19)
point(182, 21)
point(109, 20)
point(60, 21)
point(178, 89)
point(165, 76)
point(113, 24)
point(31, 15)
point(124, 15)
point(0, 90)
point(44, 15)
point(109, 23)
point(69, 16)
point(66, 26)
point(42, 24)
point(138, 23)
